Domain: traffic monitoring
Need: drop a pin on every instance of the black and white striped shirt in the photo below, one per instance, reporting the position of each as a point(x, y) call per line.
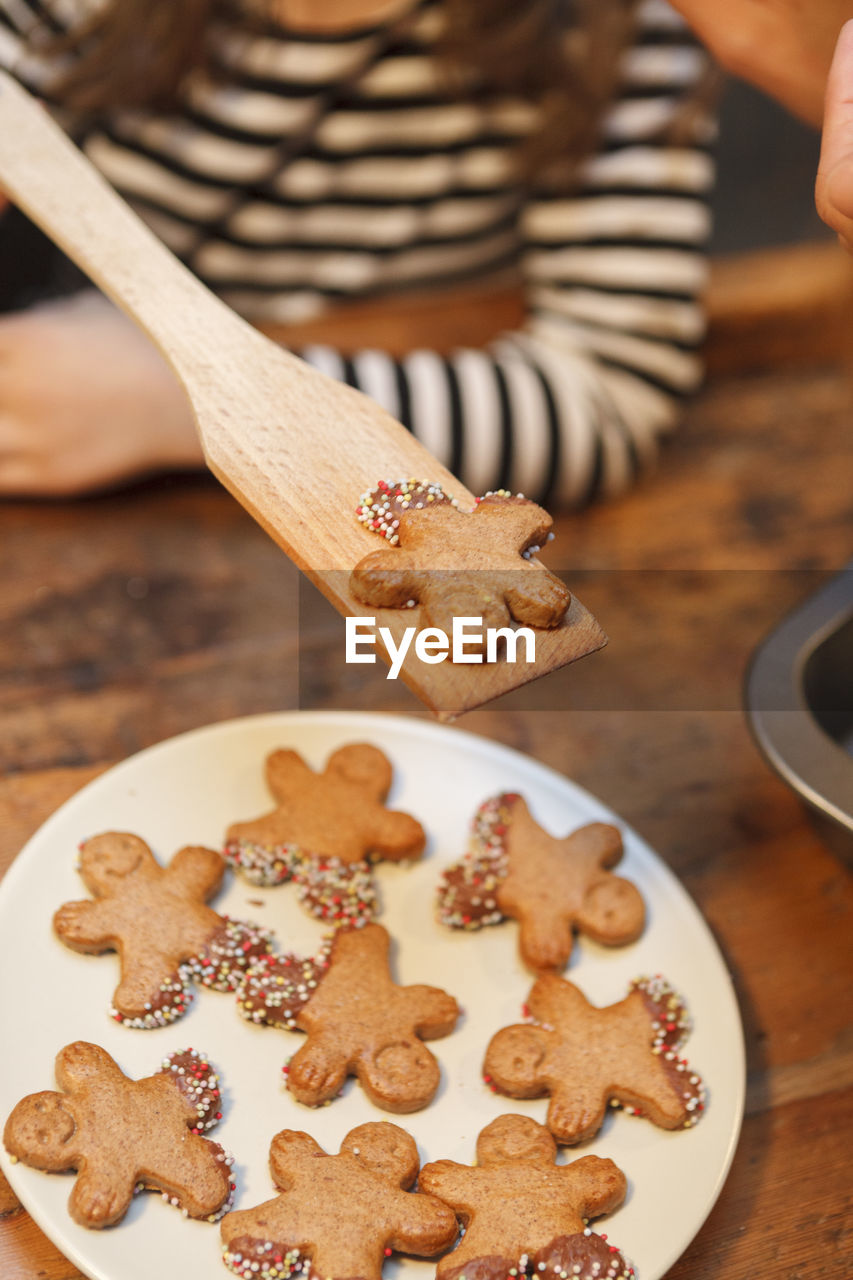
point(395, 186)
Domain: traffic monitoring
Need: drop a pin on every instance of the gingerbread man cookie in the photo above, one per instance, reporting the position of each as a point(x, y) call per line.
point(552, 886)
point(323, 830)
point(523, 1213)
point(157, 920)
point(458, 563)
point(337, 1216)
point(359, 1021)
point(586, 1057)
point(123, 1135)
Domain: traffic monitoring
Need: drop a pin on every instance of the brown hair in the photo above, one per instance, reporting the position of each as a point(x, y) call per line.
point(563, 57)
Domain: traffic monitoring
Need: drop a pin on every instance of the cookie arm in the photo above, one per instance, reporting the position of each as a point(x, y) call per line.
point(286, 774)
point(196, 872)
point(537, 598)
point(600, 1183)
point(86, 926)
point(425, 1225)
point(290, 1149)
point(453, 1183)
point(80, 1065)
point(435, 1011)
point(397, 835)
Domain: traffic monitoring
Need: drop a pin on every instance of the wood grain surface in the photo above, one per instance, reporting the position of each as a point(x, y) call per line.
point(133, 616)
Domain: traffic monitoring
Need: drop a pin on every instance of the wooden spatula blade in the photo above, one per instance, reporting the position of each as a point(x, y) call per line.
point(296, 448)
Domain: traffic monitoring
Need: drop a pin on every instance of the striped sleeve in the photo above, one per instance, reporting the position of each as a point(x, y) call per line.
point(25, 27)
point(573, 406)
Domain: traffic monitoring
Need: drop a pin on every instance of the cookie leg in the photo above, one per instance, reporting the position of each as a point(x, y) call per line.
point(197, 1175)
point(316, 1073)
point(576, 1113)
point(100, 1197)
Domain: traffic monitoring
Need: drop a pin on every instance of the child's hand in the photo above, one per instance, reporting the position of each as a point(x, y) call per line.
point(85, 401)
point(834, 186)
point(783, 46)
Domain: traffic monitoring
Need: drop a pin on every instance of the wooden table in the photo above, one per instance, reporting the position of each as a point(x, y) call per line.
point(127, 618)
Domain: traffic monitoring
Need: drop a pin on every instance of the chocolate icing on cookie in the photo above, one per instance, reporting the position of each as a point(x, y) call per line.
point(379, 509)
point(553, 887)
point(456, 563)
point(157, 919)
point(337, 1216)
point(359, 1021)
point(325, 829)
point(523, 1213)
point(124, 1135)
point(586, 1058)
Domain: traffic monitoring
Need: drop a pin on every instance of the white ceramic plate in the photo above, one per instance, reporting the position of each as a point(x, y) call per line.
point(186, 791)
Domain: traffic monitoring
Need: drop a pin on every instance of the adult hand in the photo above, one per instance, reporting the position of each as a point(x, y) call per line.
point(85, 401)
point(834, 186)
point(782, 46)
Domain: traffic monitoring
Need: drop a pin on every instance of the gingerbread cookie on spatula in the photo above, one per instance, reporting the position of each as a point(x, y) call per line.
point(325, 829)
point(585, 1058)
point(456, 563)
point(124, 1135)
point(359, 1021)
point(157, 919)
point(337, 1216)
point(552, 886)
point(525, 1215)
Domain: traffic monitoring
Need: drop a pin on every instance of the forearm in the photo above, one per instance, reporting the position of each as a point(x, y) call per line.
point(784, 47)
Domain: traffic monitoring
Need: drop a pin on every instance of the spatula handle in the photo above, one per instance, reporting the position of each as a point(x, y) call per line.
point(59, 189)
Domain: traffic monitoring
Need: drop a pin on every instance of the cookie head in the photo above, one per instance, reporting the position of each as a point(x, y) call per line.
point(107, 859)
point(613, 911)
point(400, 1074)
point(39, 1131)
point(516, 1059)
point(515, 1139)
point(384, 1149)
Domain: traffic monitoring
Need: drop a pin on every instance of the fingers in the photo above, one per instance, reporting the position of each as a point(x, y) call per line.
point(834, 186)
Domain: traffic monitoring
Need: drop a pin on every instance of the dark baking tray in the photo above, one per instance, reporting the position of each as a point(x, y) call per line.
point(799, 698)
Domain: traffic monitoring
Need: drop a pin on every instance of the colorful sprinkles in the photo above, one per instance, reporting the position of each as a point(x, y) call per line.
point(379, 509)
point(198, 1081)
point(585, 1256)
point(234, 947)
point(671, 1026)
point(266, 1260)
point(274, 991)
point(331, 890)
point(467, 890)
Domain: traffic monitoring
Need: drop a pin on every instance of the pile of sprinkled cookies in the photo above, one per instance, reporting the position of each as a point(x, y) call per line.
point(520, 1212)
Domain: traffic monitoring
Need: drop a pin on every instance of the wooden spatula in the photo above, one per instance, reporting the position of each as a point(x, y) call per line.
point(296, 448)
